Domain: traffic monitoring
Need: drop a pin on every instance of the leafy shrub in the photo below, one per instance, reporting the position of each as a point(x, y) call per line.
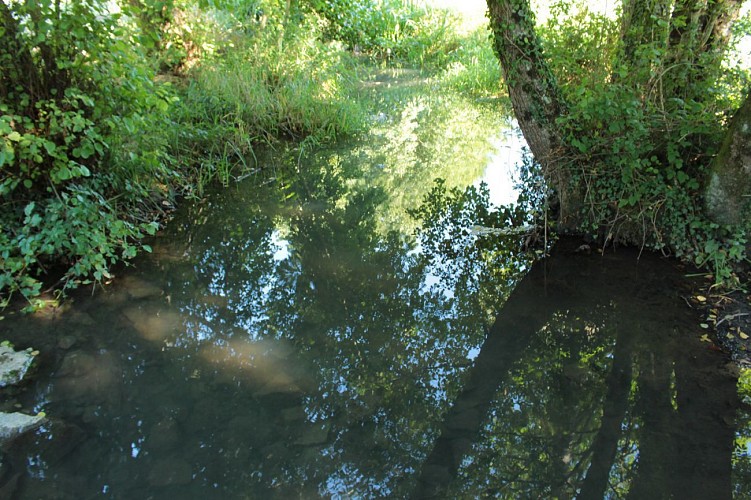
point(391, 29)
point(180, 34)
point(639, 157)
point(80, 142)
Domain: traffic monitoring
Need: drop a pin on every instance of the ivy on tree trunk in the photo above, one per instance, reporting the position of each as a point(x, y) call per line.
point(670, 53)
point(533, 90)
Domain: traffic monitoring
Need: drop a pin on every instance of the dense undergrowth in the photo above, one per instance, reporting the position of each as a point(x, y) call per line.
point(643, 137)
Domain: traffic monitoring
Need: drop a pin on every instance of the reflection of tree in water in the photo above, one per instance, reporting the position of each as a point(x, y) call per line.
point(596, 388)
point(385, 330)
point(306, 353)
point(589, 381)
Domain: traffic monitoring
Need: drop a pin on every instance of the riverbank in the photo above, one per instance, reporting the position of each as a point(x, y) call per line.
point(729, 315)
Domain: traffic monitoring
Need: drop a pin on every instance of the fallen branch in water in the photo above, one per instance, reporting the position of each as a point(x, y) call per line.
point(502, 231)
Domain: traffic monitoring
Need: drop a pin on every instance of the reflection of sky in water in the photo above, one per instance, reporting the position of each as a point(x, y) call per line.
point(279, 246)
point(499, 173)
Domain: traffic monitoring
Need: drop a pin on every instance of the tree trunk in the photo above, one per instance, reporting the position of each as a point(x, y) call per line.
point(534, 94)
point(700, 33)
point(728, 191)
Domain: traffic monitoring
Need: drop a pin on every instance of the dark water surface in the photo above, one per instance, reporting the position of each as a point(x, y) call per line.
point(289, 338)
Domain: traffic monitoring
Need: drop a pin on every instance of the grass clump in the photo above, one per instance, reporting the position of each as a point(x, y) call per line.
point(473, 69)
point(269, 88)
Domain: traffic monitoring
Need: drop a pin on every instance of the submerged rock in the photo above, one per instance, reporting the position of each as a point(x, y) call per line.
point(15, 424)
point(14, 365)
point(66, 342)
point(91, 378)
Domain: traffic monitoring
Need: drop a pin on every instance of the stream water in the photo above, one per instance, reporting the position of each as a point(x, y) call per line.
point(292, 336)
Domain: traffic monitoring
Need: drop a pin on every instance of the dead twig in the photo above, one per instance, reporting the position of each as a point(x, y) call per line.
point(729, 317)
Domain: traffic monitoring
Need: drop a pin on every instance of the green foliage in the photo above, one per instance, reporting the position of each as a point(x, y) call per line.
point(180, 34)
point(79, 225)
point(473, 68)
point(731, 86)
point(301, 90)
point(580, 45)
point(394, 30)
point(81, 144)
point(641, 139)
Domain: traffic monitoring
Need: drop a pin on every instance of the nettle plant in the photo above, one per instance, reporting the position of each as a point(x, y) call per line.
point(72, 85)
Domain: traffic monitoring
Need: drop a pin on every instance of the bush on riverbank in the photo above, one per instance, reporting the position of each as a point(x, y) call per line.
point(266, 88)
point(81, 150)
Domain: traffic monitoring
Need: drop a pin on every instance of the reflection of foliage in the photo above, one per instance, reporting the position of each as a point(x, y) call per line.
point(314, 355)
point(742, 449)
point(542, 424)
point(352, 301)
point(473, 264)
point(420, 139)
point(600, 401)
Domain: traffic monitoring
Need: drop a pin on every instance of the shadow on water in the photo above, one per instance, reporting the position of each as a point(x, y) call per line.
point(291, 339)
point(592, 383)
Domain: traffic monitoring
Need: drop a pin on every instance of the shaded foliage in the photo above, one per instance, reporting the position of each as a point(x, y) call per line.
point(79, 123)
point(644, 100)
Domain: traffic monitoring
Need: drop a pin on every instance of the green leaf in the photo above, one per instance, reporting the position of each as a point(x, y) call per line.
point(63, 173)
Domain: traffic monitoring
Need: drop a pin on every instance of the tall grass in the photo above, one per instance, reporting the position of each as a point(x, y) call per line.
point(272, 86)
point(473, 69)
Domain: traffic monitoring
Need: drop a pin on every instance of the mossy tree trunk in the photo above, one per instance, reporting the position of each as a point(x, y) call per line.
point(728, 193)
point(534, 93)
point(672, 51)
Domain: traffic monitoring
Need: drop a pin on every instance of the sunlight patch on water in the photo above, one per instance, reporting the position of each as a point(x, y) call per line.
point(501, 168)
point(280, 246)
point(155, 324)
point(266, 363)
